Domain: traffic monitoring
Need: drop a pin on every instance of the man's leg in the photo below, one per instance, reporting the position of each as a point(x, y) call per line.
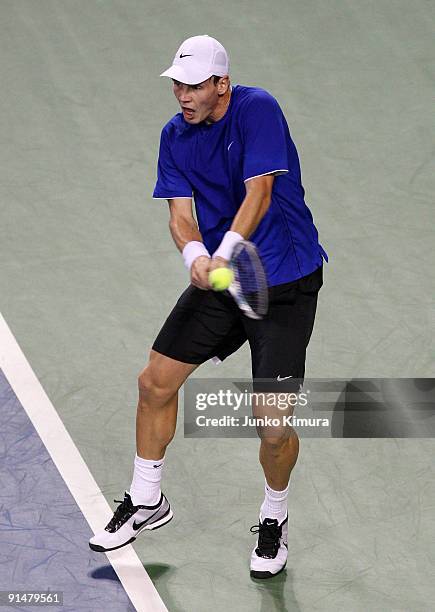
point(201, 324)
point(157, 408)
point(278, 457)
point(278, 347)
point(145, 507)
point(279, 449)
point(156, 421)
point(278, 454)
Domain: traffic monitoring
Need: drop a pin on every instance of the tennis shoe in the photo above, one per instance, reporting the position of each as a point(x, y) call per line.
point(269, 556)
point(129, 521)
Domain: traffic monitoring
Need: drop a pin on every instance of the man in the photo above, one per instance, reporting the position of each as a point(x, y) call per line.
point(230, 149)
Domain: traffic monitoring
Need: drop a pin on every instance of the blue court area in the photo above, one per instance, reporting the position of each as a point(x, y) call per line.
point(43, 534)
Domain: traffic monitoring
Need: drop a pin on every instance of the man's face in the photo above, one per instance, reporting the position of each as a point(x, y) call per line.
point(197, 101)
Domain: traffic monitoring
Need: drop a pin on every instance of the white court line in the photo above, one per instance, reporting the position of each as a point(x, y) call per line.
point(73, 469)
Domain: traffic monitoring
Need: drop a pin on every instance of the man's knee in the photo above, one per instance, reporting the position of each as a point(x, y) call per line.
point(274, 441)
point(152, 388)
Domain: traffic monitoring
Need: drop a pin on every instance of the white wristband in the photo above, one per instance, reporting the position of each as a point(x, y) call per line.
point(192, 250)
point(227, 245)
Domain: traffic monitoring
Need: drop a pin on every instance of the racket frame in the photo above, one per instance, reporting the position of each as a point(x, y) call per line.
point(235, 288)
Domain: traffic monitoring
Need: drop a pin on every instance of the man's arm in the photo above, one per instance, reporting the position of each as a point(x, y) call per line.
point(187, 237)
point(249, 215)
point(184, 228)
point(182, 223)
point(254, 206)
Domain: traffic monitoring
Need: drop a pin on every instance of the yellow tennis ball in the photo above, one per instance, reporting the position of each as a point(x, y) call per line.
point(220, 278)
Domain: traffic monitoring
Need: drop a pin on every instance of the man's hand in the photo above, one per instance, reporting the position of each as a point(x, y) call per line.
point(199, 272)
point(218, 262)
point(201, 268)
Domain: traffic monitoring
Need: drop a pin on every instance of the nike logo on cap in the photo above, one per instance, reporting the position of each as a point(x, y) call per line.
point(186, 55)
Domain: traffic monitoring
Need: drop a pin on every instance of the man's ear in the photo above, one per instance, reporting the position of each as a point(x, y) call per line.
point(223, 85)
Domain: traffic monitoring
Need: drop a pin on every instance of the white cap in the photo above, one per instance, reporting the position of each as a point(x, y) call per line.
point(197, 59)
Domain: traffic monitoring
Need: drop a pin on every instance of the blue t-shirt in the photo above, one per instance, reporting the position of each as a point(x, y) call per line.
point(210, 163)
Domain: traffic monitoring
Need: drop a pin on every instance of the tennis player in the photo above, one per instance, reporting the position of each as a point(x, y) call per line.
point(229, 150)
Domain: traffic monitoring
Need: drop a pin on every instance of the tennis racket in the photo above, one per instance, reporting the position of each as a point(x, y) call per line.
point(249, 287)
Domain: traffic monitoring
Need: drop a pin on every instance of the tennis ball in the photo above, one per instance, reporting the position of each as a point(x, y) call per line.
point(220, 278)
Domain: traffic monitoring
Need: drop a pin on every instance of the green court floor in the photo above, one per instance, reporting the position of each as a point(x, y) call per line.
point(89, 272)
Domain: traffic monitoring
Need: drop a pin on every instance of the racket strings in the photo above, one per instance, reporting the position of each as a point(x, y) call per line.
point(250, 278)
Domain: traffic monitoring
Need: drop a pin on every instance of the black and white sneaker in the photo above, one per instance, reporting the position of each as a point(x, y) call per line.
point(129, 521)
point(269, 556)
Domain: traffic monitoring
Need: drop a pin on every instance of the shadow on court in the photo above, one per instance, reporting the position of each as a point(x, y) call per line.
point(106, 572)
point(161, 574)
point(272, 594)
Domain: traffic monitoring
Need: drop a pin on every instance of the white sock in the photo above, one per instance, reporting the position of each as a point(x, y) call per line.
point(145, 486)
point(275, 504)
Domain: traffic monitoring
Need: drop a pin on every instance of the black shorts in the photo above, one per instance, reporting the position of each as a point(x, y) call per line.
point(207, 324)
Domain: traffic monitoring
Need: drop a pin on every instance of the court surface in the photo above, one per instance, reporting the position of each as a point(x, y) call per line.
point(89, 272)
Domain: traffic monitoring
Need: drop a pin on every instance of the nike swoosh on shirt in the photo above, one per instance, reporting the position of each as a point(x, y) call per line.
point(279, 377)
point(228, 148)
